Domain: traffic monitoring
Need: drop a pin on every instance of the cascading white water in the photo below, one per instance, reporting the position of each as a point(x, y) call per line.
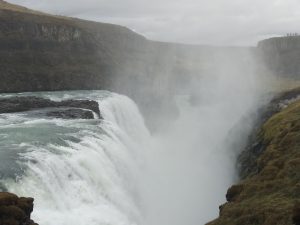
point(191, 165)
point(91, 180)
point(113, 172)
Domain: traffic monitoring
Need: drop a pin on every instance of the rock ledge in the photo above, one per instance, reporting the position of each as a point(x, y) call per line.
point(15, 210)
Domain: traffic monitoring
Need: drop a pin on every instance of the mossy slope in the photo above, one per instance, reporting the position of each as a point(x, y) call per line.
point(271, 196)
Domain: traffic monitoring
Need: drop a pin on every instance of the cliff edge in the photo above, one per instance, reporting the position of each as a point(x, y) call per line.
point(40, 52)
point(269, 194)
point(282, 55)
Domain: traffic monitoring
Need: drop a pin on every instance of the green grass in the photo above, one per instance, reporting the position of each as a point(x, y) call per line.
point(269, 197)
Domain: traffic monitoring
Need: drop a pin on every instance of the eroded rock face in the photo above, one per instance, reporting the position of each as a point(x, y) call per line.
point(269, 193)
point(41, 52)
point(281, 55)
point(15, 210)
point(71, 114)
point(69, 109)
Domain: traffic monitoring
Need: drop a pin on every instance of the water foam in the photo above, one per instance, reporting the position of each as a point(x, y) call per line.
point(91, 181)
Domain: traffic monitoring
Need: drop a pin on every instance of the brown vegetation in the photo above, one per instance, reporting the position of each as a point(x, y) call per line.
point(271, 195)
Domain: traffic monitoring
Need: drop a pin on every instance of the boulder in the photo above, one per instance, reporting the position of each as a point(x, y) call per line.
point(15, 210)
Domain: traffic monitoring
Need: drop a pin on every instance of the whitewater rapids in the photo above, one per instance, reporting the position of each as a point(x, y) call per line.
point(113, 171)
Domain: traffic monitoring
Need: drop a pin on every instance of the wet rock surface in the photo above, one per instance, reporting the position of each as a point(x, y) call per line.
point(15, 210)
point(69, 109)
point(71, 114)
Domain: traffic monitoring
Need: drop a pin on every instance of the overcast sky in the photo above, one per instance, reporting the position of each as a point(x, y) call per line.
point(216, 22)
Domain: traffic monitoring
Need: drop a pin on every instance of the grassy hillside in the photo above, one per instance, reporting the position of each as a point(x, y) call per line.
point(270, 195)
point(41, 52)
point(17, 8)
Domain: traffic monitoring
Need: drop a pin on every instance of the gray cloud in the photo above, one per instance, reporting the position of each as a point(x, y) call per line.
point(217, 22)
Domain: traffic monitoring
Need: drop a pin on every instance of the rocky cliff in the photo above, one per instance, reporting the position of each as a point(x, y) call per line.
point(269, 192)
point(282, 55)
point(42, 52)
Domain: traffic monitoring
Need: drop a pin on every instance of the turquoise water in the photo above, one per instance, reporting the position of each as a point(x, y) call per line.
point(74, 168)
point(112, 171)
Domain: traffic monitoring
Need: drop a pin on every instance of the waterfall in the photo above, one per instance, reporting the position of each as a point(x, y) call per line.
point(112, 171)
point(91, 178)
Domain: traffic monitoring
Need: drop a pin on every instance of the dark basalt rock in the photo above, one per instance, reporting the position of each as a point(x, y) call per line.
point(82, 109)
point(71, 114)
point(83, 104)
point(15, 210)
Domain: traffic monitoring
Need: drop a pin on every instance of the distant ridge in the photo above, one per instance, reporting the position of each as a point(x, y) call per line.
point(9, 6)
point(282, 55)
point(43, 52)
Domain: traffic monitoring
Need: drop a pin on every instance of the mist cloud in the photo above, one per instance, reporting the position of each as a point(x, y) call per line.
point(218, 22)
